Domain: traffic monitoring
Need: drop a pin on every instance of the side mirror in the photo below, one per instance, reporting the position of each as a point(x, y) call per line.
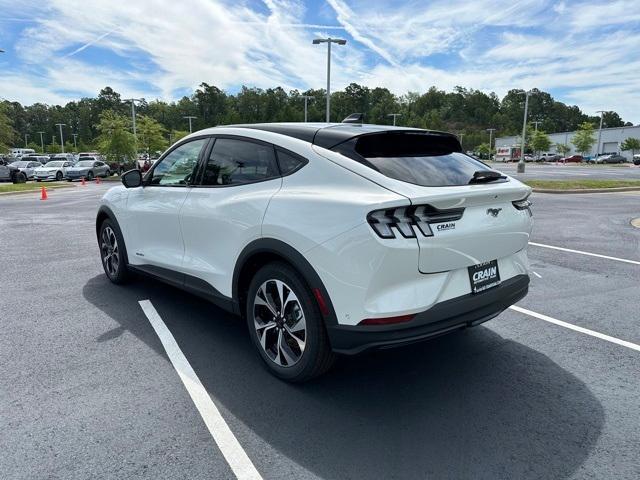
point(132, 179)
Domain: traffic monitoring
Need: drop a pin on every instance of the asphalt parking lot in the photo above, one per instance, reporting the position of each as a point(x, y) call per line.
point(570, 171)
point(87, 390)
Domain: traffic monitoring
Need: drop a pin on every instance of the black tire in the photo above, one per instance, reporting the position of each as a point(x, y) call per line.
point(120, 274)
point(37, 180)
point(90, 176)
point(69, 180)
point(107, 174)
point(59, 176)
point(317, 356)
point(20, 177)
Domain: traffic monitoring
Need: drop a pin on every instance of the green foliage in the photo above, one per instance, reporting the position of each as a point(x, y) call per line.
point(540, 141)
point(177, 135)
point(584, 138)
point(53, 147)
point(484, 150)
point(150, 134)
point(461, 110)
point(115, 141)
point(7, 133)
point(632, 144)
point(563, 149)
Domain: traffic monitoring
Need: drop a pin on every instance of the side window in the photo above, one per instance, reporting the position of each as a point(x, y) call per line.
point(177, 167)
point(288, 162)
point(234, 162)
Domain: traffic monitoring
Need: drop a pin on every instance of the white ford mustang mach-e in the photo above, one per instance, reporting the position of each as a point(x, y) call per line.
point(327, 238)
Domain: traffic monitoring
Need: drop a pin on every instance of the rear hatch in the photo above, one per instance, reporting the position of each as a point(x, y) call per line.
point(462, 211)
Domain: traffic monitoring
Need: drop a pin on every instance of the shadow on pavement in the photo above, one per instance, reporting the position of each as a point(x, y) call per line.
point(467, 405)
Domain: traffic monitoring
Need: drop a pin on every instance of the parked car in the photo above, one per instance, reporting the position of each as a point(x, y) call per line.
point(120, 166)
point(573, 159)
point(27, 166)
point(53, 170)
point(549, 157)
point(328, 238)
point(64, 157)
point(38, 157)
point(88, 168)
point(9, 173)
point(529, 158)
point(636, 159)
point(612, 158)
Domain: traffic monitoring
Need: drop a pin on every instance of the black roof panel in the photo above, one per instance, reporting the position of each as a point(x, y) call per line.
point(329, 135)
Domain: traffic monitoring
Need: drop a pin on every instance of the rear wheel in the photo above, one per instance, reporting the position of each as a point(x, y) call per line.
point(58, 176)
point(285, 324)
point(112, 252)
point(20, 178)
point(107, 174)
point(90, 176)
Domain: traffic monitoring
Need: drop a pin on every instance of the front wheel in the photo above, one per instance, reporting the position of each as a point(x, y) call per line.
point(107, 174)
point(20, 178)
point(58, 176)
point(90, 176)
point(285, 324)
point(112, 252)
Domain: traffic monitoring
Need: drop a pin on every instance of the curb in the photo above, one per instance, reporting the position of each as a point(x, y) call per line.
point(588, 190)
point(22, 192)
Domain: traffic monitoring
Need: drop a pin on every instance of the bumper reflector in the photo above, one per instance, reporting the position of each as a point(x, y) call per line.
point(387, 320)
point(321, 303)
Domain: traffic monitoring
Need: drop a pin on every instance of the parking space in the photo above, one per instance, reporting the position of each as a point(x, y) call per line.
point(87, 389)
point(570, 171)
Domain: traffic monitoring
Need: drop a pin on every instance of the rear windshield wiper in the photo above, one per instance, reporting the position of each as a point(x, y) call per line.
point(484, 176)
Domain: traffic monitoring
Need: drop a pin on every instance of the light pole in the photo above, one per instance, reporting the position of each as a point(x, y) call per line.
point(601, 112)
point(524, 130)
point(133, 113)
point(41, 141)
point(460, 135)
point(394, 115)
point(190, 117)
point(490, 130)
point(60, 125)
point(536, 124)
point(329, 41)
point(306, 98)
point(26, 135)
point(75, 145)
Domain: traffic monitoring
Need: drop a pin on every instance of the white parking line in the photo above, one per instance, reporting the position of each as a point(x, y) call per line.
point(537, 274)
point(570, 326)
point(625, 260)
point(233, 452)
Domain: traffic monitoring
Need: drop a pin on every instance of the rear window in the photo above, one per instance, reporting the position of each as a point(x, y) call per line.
point(420, 158)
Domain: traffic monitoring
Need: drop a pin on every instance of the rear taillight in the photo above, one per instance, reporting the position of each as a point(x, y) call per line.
point(523, 204)
point(406, 220)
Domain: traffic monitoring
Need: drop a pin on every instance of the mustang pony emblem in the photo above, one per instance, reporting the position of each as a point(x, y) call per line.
point(493, 211)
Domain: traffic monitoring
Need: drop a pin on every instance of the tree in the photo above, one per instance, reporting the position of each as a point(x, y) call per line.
point(484, 150)
point(7, 133)
point(150, 134)
point(115, 141)
point(539, 142)
point(177, 135)
point(563, 149)
point(584, 138)
point(632, 144)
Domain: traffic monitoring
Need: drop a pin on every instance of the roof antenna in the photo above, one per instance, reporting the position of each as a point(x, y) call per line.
point(354, 118)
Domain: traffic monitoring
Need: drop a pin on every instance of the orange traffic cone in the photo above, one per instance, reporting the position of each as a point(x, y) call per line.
point(97, 180)
point(43, 193)
point(83, 183)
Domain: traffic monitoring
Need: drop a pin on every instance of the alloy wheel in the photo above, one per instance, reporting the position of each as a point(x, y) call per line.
point(109, 250)
point(279, 322)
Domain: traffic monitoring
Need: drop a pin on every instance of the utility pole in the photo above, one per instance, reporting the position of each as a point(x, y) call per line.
point(536, 124)
point(490, 130)
point(41, 141)
point(133, 114)
point(190, 117)
point(75, 145)
point(394, 115)
point(329, 41)
point(60, 125)
point(306, 98)
point(601, 112)
point(26, 135)
point(524, 130)
point(460, 135)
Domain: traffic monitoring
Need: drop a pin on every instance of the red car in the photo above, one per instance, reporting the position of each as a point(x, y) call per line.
point(573, 158)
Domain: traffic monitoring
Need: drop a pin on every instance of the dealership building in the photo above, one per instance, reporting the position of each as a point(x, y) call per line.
point(610, 140)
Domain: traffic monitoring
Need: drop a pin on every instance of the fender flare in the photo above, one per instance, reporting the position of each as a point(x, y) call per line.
point(293, 257)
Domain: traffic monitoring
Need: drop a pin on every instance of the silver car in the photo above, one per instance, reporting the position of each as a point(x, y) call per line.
point(53, 170)
point(89, 168)
point(27, 167)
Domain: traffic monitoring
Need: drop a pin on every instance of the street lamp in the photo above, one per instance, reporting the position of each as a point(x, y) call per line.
point(190, 117)
point(601, 112)
point(524, 129)
point(490, 130)
point(133, 113)
point(329, 41)
point(60, 125)
point(460, 135)
point(536, 124)
point(394, 115)
point(75, 145)
point(41, 141)
point(306, 98)
point(26, 135)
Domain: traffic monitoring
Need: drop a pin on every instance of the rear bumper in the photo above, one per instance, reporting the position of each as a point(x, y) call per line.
point(460, 312)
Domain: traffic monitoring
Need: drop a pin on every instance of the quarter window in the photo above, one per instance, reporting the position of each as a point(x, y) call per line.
point(288, 162)
point(234, 162)
point(177, 167)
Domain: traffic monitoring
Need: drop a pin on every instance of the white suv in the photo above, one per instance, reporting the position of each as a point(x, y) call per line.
point(327, 238)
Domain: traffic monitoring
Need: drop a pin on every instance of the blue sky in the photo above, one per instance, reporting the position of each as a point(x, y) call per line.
point(584, 52)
